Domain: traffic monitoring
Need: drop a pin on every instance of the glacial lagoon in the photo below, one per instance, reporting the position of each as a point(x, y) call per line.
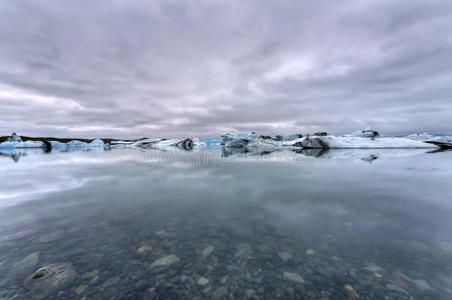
point(221, 224)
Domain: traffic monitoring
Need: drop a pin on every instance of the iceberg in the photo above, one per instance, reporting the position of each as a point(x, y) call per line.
point(80, 144)
point(169, 144)
point(27, 144)
point(364, 139)
point(335, 142)
point(368, 132)
point(429, 137)
point(75, 144)
point(57, 145)
point(96, 143)
point(242, 139)
point(120, 143)
point(31, 144)
point(288, 138)
point(14, 141)
point(211, 141)
point(13, 138)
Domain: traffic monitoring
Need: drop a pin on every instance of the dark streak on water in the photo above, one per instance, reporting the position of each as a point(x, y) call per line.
point(368, 228)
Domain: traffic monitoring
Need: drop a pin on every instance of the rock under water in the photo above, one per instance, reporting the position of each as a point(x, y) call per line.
point(50, 278)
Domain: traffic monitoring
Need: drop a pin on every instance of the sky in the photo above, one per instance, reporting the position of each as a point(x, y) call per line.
point(201, 68)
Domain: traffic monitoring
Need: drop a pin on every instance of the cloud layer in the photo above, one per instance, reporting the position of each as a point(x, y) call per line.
point(200, 68)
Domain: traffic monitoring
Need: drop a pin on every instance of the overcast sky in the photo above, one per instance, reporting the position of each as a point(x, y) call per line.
point(199, 68)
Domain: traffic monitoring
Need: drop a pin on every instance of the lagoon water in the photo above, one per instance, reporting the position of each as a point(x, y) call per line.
point(211, 224)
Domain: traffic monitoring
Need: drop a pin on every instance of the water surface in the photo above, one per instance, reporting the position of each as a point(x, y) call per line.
point(344, 224)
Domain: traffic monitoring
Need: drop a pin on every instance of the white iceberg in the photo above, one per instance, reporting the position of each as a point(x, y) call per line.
point(365, 139)
point(169, 144)
point(243, 139)
point(31, 144)
point(335, 142)
point(57, 145)
point(120, 143)
point(368, 132)
point(288, 138)
point(76, 144)
point(96, 143)
point(14, 138)
point(79, 144)
point(27, 144)
point(429, 137)
point(14, 141)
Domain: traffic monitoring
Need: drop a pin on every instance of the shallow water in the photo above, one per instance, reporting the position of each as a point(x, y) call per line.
point(345, 224)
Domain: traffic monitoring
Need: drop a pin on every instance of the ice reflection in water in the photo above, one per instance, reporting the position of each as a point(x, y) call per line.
point(153, 224)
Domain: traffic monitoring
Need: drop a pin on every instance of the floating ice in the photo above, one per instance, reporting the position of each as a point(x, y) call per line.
point(365, 139)
point(27, 144)
point(120, 143)
point(211, 141)
point(14, 138)
point(368, 132)
point(169, 144)
point(241, 139)
point(96, 143)
point(331, 141)
point(288, 138)
point(80, 144)
point(429, 137)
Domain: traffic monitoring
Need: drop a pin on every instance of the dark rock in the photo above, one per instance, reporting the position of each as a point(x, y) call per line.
point(266, 137)
point(313, 143)
point(142, 284)
point(13, 138)
point(321, 133)
point(50, 279)
point(186, 144)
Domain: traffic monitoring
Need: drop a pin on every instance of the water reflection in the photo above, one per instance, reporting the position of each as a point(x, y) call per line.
point(367, 155)
point(16, 153)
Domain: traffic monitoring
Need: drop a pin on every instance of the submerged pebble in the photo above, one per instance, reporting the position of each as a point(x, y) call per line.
point(293, 277)
point(165, 261)
point(207, 251)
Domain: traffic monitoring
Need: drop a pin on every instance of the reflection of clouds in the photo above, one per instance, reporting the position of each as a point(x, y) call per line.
point(282, 174)
point(314, 195)
point(32, 189)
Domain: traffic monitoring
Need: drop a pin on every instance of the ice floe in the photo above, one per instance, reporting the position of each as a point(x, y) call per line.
point(335, 142)
point(27, 144)
point(365, 139)
point(169, 144)
point(121, 143)
point(244, 139)
point(368, 132)
point(426, 137)
point(13, 138)
point(288, 138)
point(211, 141)
point(15, 142)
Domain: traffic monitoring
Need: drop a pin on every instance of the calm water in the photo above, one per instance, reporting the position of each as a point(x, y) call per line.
point(125, 224)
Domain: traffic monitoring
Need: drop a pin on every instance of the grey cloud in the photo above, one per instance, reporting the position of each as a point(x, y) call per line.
point(198, 68)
